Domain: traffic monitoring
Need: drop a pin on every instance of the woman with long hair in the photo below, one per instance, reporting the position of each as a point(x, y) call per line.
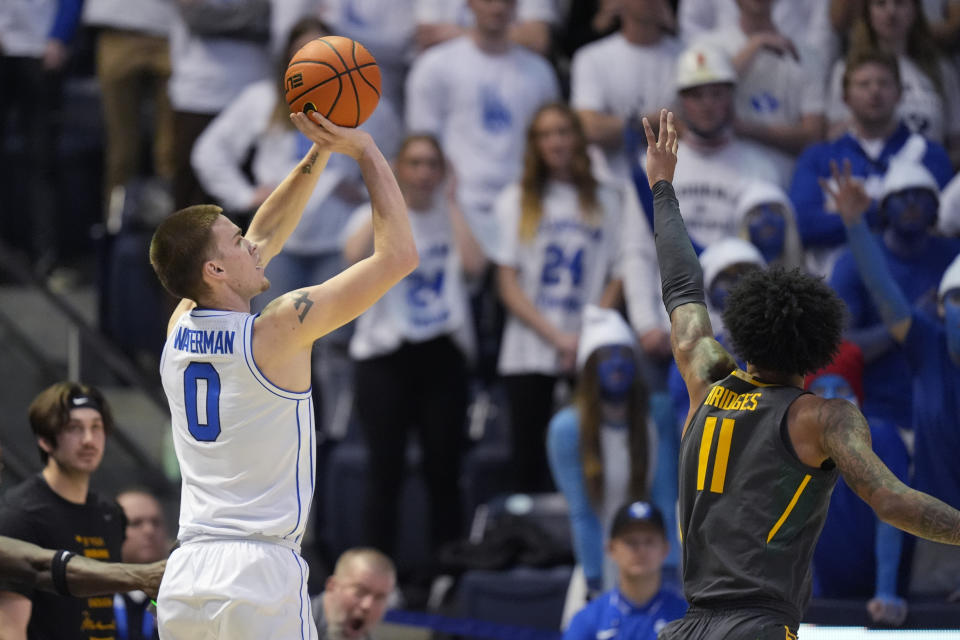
point(559, 244)
point(930, 104)
point(598, 446)
point(411, 350)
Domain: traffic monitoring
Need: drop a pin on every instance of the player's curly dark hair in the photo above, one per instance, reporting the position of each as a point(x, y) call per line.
point(784, 320)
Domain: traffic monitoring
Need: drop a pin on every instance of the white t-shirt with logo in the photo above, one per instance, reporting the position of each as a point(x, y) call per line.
point(924, 109)
point(708, 184)
point(564, 267)
point(480, 106)
point(428, 303)
point(772, 90)
point(598, 82)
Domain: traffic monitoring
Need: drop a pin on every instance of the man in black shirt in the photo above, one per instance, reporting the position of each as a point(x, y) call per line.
point(758, 455)
point(55, 509)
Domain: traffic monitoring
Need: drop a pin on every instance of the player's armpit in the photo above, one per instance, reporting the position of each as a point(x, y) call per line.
point(846, 440)
point(182, 308)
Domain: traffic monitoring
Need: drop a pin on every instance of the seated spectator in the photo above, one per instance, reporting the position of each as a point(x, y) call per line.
point(558, 251)
point(930, 104)
point(932, 348)
point(608, 100)
point(876, 138)
point(146, 541)
point(477, 93)
point(639, 606)
point(56, 509)
point(917, 259)
point(412, 349)
point(768, 222)
point(858, 555)
point(442, 20)
point(598, 447)
point(355, 597)
point(714, 165)
point(768, 108)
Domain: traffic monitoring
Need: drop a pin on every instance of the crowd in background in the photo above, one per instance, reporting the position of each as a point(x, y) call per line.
point(515, 128)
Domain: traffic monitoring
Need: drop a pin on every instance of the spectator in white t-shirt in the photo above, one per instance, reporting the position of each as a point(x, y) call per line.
point(769, 109)
point(477, 94)
point(442, 20)
point(930, 104)
point(560, 233)
point(618, 79)
point(411, 350)
point(713, 166)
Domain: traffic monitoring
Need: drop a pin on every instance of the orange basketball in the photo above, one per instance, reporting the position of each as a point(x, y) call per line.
point(335, 76)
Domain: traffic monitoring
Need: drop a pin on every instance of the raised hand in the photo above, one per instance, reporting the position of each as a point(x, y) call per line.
point(662, 151)
point(850, 198)
point(330, 137)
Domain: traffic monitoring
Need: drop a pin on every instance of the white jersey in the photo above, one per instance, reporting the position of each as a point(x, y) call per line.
point(597, 82)
point(924, 109)
point(428, 303)
point(25, 27)
point(479, 105)
point(564, 267)
point(708, 184)
point(146, 16)
point(245, 446)
point(766, 91)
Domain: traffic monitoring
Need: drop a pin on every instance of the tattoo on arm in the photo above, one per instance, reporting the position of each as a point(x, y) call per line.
point(302, 299)
point(307, 168)
point(694, 346)
point(846, 439)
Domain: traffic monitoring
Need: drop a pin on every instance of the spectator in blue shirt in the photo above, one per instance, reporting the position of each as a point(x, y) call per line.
point(917, 259)
point(872, 90)
point(639, 606)
point(932, 348)
point(858, 555)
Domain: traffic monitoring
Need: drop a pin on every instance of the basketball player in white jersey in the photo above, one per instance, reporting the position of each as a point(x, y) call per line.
point(239, 392)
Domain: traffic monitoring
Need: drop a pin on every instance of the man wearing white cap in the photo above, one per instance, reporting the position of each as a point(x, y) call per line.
point(916, 259)
point(931, 345)
point(713, 166)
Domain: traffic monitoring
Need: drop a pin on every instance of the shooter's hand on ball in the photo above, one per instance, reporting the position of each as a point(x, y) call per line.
point(329, 137)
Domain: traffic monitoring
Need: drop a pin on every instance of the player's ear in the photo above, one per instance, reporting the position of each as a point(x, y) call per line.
point(46, 445)
point(212, 269)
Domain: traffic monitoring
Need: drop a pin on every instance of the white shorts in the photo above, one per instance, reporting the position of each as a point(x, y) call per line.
point(236, 590)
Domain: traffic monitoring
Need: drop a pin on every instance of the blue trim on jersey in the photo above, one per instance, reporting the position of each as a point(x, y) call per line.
point(296, 559)
point(297, 477)
point(259, 375)
point(312, 427)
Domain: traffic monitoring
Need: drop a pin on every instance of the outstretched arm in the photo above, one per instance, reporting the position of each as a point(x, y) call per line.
point(700, 358)
point(845, 437)
point(852, 202)
point(296, 319)
point(28, 564)
point(280, 213)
